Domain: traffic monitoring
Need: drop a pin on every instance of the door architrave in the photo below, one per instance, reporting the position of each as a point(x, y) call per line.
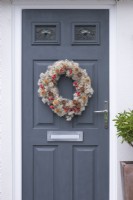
point(16, 87)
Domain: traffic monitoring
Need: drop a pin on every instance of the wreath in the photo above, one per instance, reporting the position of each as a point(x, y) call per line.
point(49, 92)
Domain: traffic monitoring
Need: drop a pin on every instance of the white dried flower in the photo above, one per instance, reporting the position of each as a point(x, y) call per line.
point(44, 100)
point(68, 118)
point(42, 75)
point(51, 84)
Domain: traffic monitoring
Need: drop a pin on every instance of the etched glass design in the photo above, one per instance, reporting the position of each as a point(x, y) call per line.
point(85, 32)
point(45, 32)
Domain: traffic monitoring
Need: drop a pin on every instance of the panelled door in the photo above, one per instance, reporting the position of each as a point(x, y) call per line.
point(54, 169)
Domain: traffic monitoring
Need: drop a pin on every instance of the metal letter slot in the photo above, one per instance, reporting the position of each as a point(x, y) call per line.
point(105, 112)
point(65, 136)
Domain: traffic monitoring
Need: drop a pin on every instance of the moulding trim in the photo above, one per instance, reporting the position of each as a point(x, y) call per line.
point(59, 2)
point(0, 100)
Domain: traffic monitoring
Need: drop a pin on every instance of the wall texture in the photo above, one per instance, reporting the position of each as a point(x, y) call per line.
point(5, 102)
point(0, 109)
point(124, 72)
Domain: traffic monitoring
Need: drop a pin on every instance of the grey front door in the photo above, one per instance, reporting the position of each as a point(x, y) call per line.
point(65, 170)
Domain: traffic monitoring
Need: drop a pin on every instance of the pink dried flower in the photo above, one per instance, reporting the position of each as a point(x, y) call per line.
point(42, 86)
point(54, 76)
point(75, 83)
point(78, 93)
point(52, 107)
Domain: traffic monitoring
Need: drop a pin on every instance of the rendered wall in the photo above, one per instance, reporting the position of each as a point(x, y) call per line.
point(5, 102)
point(124, 74)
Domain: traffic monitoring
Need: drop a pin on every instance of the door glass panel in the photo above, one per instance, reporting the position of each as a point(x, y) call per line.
point(45, 33)
point(85, 32)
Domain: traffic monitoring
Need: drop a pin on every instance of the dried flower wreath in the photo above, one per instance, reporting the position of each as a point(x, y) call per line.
point(49, 92)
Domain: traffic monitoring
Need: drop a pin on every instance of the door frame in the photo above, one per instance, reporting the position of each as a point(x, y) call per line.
point(16, 86)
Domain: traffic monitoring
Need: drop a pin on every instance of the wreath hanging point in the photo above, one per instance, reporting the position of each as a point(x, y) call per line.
point(49, 92)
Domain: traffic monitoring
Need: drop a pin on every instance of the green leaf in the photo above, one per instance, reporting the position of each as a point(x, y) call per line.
point(124, 124)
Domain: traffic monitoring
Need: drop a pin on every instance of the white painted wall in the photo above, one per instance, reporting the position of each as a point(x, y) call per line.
point(5, 102)
point(124, 98)
point(124, 73)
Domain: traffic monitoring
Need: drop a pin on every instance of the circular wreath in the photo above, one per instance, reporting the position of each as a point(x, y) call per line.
point(49, 92)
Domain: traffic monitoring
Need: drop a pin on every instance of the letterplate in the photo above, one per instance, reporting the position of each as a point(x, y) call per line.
point(65, 136)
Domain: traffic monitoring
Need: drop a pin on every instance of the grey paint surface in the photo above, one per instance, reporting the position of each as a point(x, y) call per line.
point(65, 170)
